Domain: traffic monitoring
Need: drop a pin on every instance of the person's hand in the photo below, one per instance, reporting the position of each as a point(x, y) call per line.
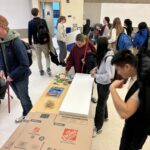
point(117, 84)
point(2, 75)
point(83, 61)
point(9, 79)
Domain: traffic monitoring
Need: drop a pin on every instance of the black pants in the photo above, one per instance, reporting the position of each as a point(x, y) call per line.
point(133, 137)
point(2, 88)
point(101, 108)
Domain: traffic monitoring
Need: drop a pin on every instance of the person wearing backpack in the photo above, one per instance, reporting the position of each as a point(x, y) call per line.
point(14, 65)
point(38, 31)
point(104, 74)
point(135, 130)
point(141, 37)
point(61, 39)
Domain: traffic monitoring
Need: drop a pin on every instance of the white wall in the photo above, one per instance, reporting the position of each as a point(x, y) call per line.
point(136, 12)
point(35, 4)
point(92, 11)
point(74, 8)
point(17, 12)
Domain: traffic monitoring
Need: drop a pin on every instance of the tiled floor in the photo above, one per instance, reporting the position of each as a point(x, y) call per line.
point(107, 140)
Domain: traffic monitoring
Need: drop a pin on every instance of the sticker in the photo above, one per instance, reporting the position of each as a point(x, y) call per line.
point(69, 135)
point(36, 130)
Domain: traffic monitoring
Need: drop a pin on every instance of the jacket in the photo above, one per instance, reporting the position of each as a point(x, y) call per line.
point(106, 72)
point(76, 55)
point(61, 33)
point(16, 57)
point(141, 39)
point(32, 29)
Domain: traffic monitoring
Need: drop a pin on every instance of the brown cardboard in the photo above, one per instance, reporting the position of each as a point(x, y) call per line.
point(50, 104)
point(55, 132)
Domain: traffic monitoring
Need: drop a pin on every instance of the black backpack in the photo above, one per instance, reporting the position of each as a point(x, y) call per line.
point(42, 32)
point(143, 71)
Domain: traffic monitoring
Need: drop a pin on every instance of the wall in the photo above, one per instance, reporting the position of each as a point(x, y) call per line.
point(93, 12)
point(136, 12)
point(17, 15)
point(75, 9)
point(119, 1)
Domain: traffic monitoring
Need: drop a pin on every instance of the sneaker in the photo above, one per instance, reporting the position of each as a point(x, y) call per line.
point(96, 132)
point(94, 100)
point(49, 71)
point(42, 72)
point(20, 119)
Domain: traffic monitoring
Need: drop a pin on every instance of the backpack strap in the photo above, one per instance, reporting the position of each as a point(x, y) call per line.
point(132, 90)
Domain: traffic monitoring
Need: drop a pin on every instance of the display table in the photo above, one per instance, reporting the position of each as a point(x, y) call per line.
point(50, 104)
point(78, 98)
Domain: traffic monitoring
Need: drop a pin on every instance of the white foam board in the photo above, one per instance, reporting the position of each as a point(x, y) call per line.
point(78, 98)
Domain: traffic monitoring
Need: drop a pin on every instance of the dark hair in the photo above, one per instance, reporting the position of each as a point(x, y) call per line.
point(80, 37)
point(34, 12)
point(60, 19)
point(124, 57)
point(128, 26)
point(102, 49)
point(142, 25)
point(107, 19)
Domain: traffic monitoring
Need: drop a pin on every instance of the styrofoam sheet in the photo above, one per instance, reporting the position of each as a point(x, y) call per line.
point(78, 98)
point(71, 37)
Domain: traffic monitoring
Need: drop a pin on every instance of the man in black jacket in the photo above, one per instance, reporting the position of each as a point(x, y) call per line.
point(132, 110)
point(33, 27)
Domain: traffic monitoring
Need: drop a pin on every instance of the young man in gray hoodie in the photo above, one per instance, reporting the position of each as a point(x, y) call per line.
point(14, 65)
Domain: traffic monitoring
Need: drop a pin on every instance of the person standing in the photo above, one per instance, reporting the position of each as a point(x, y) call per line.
point(103, 75)
point(14, 65)
point(61, 39)
point(33, 27)
point(132, 109)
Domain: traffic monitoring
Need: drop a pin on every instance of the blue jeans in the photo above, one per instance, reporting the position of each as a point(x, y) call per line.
point(20, 88)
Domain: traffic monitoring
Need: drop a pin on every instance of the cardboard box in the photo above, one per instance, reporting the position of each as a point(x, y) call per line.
point(51, 132)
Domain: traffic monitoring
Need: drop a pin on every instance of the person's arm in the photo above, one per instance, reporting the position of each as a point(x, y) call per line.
point(61, 32)
point(124, 109)
point(135, 40)
point(30, 33)
point(23, 62)
point(70, 61)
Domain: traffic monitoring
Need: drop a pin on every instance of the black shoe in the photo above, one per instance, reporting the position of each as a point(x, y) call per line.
point(94, 100)
point(63, 64)
point(42, 72)
point(49, 71)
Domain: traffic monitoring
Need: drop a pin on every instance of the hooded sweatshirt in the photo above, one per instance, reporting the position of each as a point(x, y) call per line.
point(106, 71)
point(16, 63)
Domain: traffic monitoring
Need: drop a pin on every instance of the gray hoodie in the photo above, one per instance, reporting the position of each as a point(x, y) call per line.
point(105, 73)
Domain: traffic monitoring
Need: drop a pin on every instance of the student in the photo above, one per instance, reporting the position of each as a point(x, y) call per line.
point(116, 30)
point(105, 31)
point(128, 27)
point(103, 74)
point(135, 129)
point(33, 27)
point(76, 57)
point(141, 37)
point(14, 65)
point(61, 39)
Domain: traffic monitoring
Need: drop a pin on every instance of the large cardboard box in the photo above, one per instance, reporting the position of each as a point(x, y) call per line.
point(51, 132)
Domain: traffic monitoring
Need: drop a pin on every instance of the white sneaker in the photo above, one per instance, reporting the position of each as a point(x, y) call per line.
point(20, 119)
point(96, 132)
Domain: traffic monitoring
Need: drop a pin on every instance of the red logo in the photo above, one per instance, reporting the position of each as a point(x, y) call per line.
point(69, 135)
point(36, 130)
